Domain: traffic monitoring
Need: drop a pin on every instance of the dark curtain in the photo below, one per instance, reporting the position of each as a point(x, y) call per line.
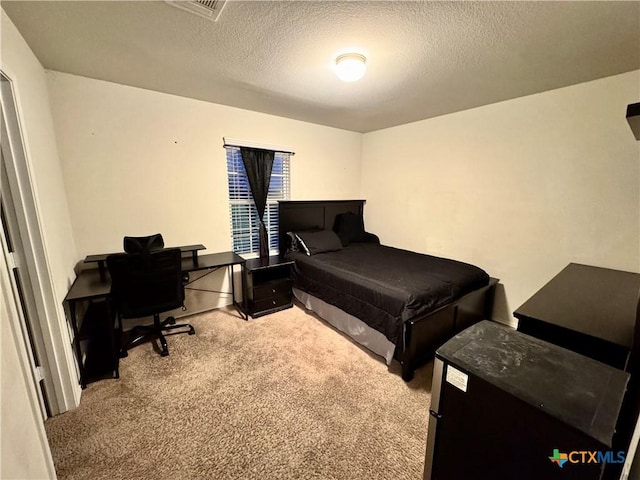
point(258, 164)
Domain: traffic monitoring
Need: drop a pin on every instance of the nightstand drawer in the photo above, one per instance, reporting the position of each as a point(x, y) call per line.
point(274, 288)
point(272, 303)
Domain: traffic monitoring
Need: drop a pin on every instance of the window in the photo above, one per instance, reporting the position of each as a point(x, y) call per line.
point(244, 216)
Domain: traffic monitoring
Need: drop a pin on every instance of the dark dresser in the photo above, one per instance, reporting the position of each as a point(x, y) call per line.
point(587, 309)
point(505, 406)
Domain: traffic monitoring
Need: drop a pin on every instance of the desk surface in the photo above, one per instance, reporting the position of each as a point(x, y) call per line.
point(88, 284)
point(211, 260)
point(101, 257)
point(599, 302)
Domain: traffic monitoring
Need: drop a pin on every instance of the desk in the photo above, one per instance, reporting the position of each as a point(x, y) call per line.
point(94, 286)
point(586, 309)
point(101, 258)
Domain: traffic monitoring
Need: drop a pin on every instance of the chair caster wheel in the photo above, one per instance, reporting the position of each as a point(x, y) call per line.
point(192, 332)
point(123, 354)
point(164, 353)
point(171, 321)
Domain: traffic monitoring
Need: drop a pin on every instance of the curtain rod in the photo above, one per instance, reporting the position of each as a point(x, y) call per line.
point(237, 143)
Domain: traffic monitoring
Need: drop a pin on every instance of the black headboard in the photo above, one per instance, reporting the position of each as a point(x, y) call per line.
point(296, 215)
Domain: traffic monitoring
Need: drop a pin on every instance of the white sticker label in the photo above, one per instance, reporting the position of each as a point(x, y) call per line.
point(457, 378)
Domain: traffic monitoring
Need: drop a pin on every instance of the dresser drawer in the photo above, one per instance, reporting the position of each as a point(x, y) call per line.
point(274, 288)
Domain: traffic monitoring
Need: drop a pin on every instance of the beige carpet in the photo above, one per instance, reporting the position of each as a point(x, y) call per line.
point(280, 397)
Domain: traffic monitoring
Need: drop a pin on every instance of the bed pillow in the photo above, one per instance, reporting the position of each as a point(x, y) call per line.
point(292, 242)
point(312, 243)
point(350, 228)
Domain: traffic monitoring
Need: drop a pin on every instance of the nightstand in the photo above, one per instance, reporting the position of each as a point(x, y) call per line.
point(268, 285)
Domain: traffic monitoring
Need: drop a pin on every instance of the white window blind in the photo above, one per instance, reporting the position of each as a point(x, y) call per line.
point(243, 213)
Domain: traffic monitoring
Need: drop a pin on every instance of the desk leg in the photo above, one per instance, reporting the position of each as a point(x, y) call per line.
point(239, 306)
point(244, 292)
point(116, 335)
point(102, 270)
point(76, 342)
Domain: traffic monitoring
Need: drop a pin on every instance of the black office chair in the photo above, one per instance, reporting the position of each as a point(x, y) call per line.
point(144, 284)
point(149, 243)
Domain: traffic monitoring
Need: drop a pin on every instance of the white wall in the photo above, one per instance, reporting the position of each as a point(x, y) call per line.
point(137, 162)
point(24, 453)
point(32, 98)
point(520, 188)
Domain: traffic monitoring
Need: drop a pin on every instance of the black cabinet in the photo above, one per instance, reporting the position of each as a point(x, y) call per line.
point(268, 285)
point(98, 343)
point(505, 405)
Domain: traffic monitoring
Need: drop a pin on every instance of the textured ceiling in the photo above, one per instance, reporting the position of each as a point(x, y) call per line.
point(424, 59)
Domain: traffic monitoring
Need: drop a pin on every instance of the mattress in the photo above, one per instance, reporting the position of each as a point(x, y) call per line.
point(384, 286)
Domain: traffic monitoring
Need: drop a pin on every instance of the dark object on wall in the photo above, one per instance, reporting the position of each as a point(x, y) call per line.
point(258, 165)
point(633, 117)
point(147, 284)
point(146, 244)
point(506, 405)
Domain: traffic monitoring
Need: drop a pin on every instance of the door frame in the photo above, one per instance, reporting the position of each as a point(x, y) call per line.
point(8, 305)
point(50, 324)
point(20, 283)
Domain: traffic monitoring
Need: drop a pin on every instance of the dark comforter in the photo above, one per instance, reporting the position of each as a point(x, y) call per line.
point(384, 286)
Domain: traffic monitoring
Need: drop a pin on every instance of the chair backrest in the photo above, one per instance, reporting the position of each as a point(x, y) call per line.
point(150, 243)
point(144, 284)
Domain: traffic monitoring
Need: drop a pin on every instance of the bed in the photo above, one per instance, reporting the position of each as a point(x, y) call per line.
point(396, 303)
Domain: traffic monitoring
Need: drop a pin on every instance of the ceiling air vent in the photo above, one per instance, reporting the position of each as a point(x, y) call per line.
point(210, 9)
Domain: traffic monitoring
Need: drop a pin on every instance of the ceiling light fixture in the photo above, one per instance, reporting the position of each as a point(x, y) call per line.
point(350, 67)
